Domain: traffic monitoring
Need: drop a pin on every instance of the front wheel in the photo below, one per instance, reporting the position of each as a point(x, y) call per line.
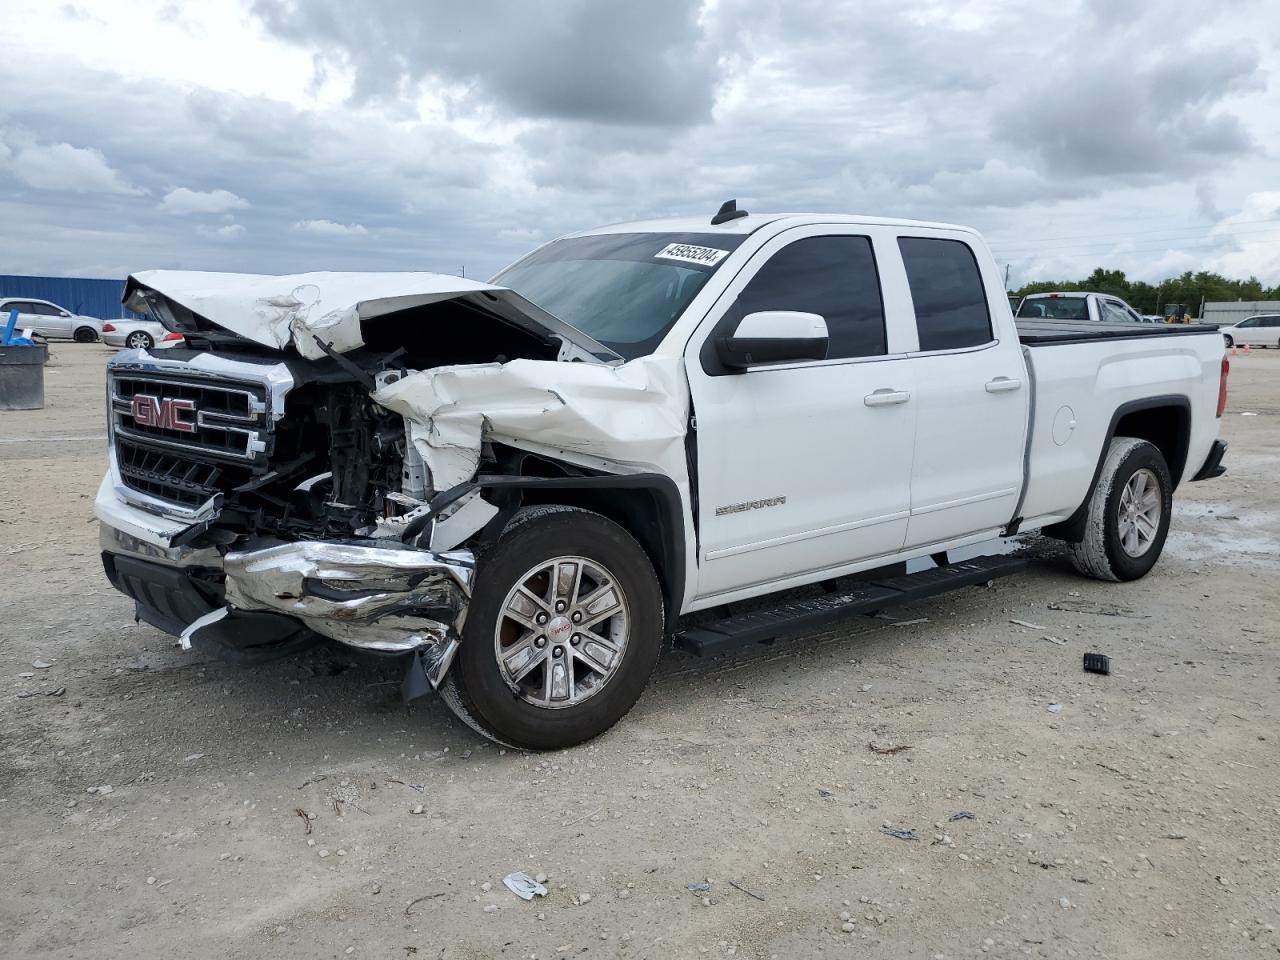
point(563, 631)
point(1129, 513)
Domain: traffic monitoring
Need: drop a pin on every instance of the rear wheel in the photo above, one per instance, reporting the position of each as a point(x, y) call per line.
point(563, 631)
point(139, 340)
point(1129, 513)
point(86, 335)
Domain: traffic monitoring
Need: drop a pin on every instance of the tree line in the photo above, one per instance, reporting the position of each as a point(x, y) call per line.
point(1189, 289)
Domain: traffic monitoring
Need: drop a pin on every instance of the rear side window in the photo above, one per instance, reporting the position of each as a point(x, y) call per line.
point(946, 288)
point(834, 277)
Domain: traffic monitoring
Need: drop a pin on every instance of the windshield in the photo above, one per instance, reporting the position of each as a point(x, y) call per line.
point(1056, 308)
point(623, 289)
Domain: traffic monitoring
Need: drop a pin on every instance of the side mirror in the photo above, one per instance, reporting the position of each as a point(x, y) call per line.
point(774, 336)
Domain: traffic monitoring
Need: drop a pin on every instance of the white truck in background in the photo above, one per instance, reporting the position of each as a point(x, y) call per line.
point(525, 488)
point(1076, 305)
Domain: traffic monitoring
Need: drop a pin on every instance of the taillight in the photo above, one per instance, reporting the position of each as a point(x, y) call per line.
point(172, 336)
point(1222, 386)
point(108, 328)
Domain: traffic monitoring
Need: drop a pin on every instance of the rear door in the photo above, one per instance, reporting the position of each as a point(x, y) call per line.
point(1269, 332)
point(804, 466)
point(972, 392)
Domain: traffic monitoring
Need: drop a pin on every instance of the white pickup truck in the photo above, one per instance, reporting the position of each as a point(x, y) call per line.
point(525, 488)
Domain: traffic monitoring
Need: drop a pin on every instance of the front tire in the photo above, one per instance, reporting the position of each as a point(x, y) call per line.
point(86, 335)
point(1129, 513)
point(563, 631)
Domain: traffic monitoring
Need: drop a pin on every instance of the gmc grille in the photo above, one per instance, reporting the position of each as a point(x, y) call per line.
point(218, 438)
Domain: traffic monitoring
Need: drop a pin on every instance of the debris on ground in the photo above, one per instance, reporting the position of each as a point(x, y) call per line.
point(1054, 708)
point(414, 903)
point(900, 834)
point(1058, 640)
point(749, 893)
point(1027, 624)
point(887, 751)
point(1097, 663)
point(700, 886)
point(42, 664)
point(910, 623)
point(1098, 609)
point(524, 886)
point(825, 793)
point(962, 815)
point(306, 819)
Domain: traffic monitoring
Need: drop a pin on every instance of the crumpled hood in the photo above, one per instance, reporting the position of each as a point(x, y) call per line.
point(296, 308)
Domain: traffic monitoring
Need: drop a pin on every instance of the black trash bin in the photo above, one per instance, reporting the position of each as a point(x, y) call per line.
point(22, 377)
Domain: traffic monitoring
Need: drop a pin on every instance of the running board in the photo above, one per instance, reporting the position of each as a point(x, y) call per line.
point(800, 616)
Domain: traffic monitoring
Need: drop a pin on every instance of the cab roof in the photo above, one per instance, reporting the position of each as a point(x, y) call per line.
point(753, 222)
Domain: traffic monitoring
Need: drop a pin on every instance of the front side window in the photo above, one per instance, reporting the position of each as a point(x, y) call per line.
point(946, 289)
point(625, 290)
point(834, 277)
point(1113, 312)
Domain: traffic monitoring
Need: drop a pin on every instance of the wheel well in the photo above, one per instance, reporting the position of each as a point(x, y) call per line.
point(647, 506)
point(1162, 421)
point(1167, 427)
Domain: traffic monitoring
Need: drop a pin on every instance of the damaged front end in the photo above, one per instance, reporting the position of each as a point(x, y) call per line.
point(305, 464)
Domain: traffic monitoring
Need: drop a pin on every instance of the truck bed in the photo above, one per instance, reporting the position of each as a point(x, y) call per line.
point(1039, 331)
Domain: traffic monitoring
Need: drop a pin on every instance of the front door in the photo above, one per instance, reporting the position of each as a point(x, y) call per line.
point(803, 466)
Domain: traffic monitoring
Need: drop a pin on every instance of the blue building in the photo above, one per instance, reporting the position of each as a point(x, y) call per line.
point(82, 295)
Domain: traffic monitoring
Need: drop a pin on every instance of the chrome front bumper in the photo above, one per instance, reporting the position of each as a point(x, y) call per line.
point(388, 599)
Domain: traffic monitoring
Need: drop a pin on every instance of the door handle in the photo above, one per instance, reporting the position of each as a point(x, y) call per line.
point(1003, 385)
point(885, 397)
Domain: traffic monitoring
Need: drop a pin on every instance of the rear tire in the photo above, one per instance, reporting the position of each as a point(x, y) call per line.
point(86, 335)
point(139, 340)
point(509, 681)
point(1129, 513)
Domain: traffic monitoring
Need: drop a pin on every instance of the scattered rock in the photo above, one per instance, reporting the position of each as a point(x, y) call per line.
point(42, 664)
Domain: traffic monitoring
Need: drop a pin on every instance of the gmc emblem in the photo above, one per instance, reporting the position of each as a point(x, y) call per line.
point(149, 411)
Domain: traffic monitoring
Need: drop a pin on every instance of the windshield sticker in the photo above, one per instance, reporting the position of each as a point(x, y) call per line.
point(707, 256)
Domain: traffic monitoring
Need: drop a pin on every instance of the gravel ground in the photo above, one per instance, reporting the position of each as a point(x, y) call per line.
point(157, 804)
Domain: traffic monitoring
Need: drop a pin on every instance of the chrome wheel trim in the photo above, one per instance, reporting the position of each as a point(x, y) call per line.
point(1139, 512)
point(562, 632)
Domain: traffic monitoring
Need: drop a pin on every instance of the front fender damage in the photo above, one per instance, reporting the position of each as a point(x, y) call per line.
point(388, 595)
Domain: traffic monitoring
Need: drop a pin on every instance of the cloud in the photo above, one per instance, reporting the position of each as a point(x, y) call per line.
point(465, 135)
point(182, 201)
point(628, 63)
point(60, 166)
point(327, 228)
point(228, 231)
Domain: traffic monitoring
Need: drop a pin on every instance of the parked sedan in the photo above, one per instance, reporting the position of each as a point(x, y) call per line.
point(137, 334)
point(1260, 331)
point(50, 321)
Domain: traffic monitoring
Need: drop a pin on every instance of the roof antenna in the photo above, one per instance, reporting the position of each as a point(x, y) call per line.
point(728, 211)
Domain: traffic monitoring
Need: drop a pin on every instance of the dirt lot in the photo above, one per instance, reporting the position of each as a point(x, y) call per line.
point(1142, 820)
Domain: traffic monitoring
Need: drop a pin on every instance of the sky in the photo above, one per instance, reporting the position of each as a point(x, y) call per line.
point(278, 136)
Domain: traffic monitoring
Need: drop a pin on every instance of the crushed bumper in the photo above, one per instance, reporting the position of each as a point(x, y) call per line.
point(385, 599)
